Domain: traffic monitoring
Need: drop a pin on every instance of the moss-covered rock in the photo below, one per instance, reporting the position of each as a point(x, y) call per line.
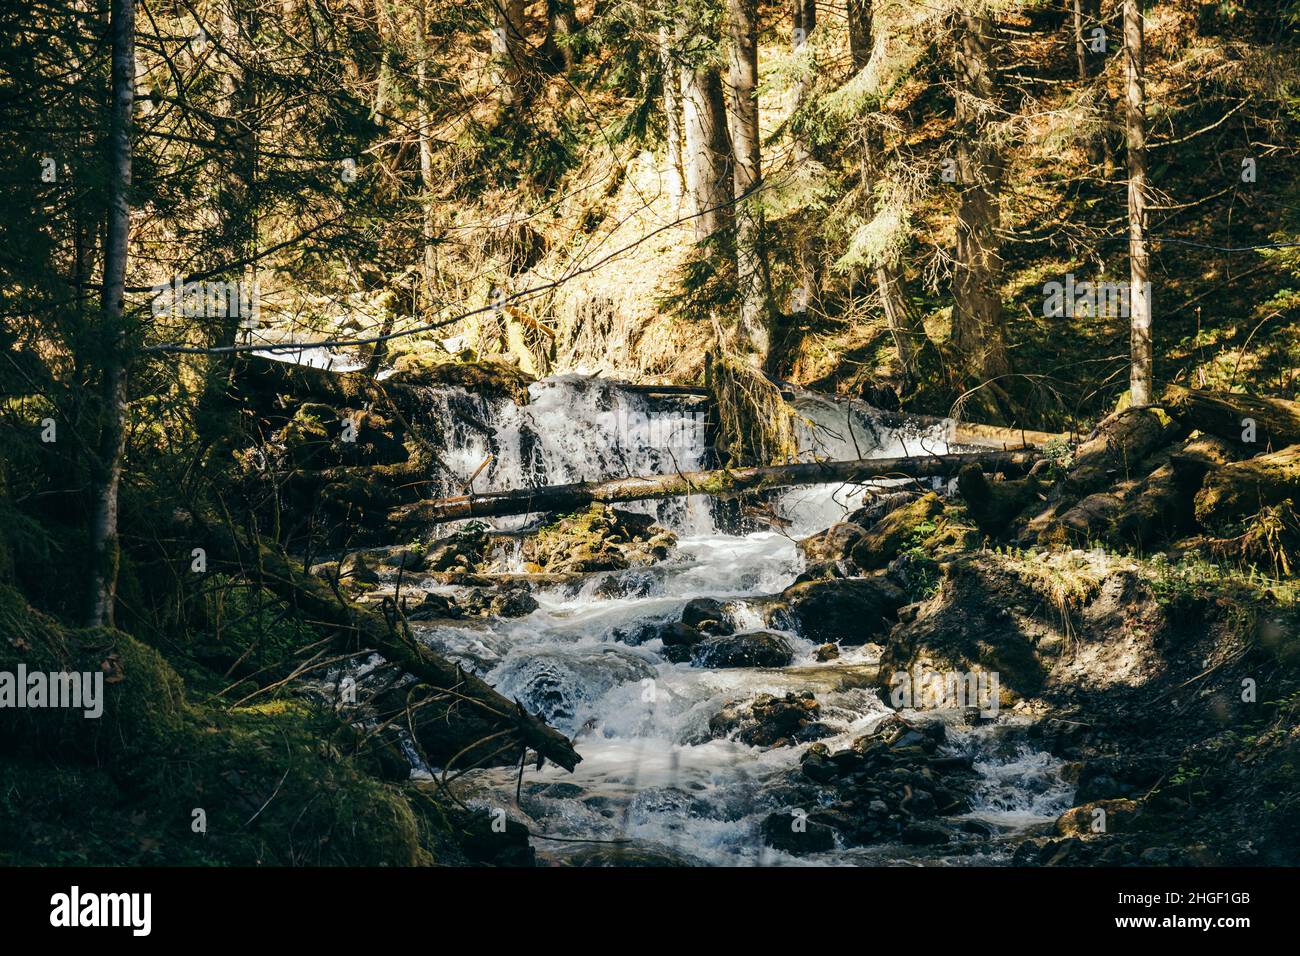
point(598, 539)
point(897, 530)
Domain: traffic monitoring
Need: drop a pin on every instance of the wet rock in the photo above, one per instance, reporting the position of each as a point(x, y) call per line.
point(795, 834)
point(817, 765)
point(356, 570)
point(514, 602)
point(1103, 816)
point(462, 551)
point(769, 721)
point(708, 615)
point(486, 843)
point(754, 649)
point(405, 559)
point(827, 652)
point(824, 570)
point(598, 539)
point(630, 856)
point(924, 834)
point(850, 612)
point(429, 606)
point(834, 544)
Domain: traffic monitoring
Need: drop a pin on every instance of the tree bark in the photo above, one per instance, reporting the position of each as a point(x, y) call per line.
point(978, 329)
point(1141, 372)
point(753, 337)
point(561, 25)
point(672, 115)
point(107, 469)
point(424, 122)
point(1248, 423)
point(1080, 48)
point(860, 32)
point(721, 483)
point(509, 50)
point(708, 152)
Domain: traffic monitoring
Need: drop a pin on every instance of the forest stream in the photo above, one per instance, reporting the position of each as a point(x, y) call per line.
point(656, 782)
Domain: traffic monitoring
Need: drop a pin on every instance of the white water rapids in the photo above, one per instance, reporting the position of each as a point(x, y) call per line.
point(650, 773)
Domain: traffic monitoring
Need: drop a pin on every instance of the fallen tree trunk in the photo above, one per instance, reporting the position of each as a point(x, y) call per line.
point(721, 483)
point(319, 602)
point(1249, 423)
point(1243, 488)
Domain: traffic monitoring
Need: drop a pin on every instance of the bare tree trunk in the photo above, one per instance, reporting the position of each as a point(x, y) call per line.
point(672, 114)
point(424, 122)
point(509, 50)
point(1080, 49)
point(903, 328)
point(561, 25)
point(1140, 377)
point(754, 333)
point(107, 469)
point(708, 152)
point(859, 15)
point(978, 330)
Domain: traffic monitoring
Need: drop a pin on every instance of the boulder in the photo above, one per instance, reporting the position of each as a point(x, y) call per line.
point(795, 834)
point(847, 611)
point(514, 602)
point(836, 543)
point(769, 721)
point(753, 649)
point(881, 542)
point(707, 615)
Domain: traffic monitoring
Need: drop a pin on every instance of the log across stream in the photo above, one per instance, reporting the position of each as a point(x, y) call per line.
point(721, 483)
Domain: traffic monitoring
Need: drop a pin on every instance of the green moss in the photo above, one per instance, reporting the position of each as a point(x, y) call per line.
point(271, 785)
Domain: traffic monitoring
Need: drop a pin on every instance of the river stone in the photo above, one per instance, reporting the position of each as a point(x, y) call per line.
point(356, 569)
point(708, 615)
point(878, 507)
point(462, 551)
point(795, 834)
point(769, 721)
point(428, 606)
point(833, 544)
point(515, 602)
point(755, 649)
point(846, 611)
point(922, 834)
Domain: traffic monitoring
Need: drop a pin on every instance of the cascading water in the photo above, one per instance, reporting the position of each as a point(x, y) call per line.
point(652, 774)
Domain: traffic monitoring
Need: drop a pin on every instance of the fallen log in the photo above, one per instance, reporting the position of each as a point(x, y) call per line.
point(368, 629)
point(721, 483)
point(1251, 424)
point(1241, 489)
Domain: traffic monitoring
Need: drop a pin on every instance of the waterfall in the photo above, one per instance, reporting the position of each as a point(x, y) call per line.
point(653, 772)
